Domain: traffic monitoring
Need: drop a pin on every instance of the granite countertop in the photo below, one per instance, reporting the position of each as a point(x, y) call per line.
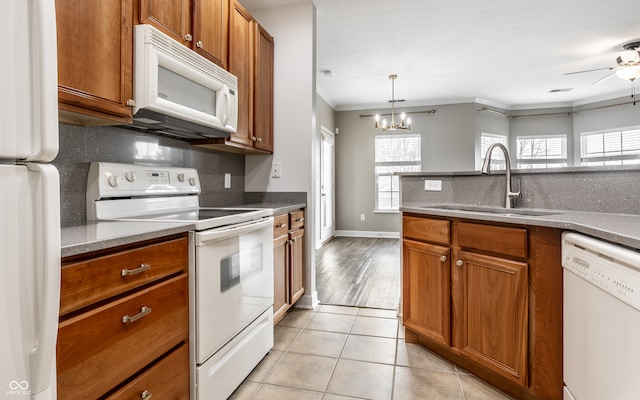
point(623, 229)
point(95, 236)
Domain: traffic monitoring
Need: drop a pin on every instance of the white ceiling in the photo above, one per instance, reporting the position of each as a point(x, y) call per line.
point(505, 52)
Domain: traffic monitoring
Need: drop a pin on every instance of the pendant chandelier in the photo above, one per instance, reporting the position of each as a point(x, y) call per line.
point(405, 123)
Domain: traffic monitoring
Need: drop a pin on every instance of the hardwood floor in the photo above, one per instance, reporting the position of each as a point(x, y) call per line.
point(360, 272)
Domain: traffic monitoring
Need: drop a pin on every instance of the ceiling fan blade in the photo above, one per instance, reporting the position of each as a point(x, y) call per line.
point(588, 70)
point(604, 78)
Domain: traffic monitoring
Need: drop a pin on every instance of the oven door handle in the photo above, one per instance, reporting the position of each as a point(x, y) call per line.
point(233, 230)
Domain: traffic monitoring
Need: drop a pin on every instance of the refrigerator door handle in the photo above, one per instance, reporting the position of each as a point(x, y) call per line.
point(48, 303)
point(45, 57)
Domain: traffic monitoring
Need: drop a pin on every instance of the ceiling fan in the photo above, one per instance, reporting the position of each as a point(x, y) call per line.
point(628, 67)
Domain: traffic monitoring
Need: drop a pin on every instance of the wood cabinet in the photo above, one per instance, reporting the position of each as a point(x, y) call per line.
point(251, 60)
point(95, 60)
point(201, 25)
point(124, 323)
point(487, 297)
point(288, 253)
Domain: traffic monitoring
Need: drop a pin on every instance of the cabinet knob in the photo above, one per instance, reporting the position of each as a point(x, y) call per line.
point(459, 263)
point(259, 139)
point(253, 138)
point(146, 395)
point(199, 44)
point(443, 258)
point(188, 37)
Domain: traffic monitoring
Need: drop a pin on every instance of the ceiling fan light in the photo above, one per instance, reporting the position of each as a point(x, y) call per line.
point(630, 73)
point(630, 56)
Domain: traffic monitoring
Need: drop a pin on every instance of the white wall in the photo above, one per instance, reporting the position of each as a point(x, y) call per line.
point(295, 134)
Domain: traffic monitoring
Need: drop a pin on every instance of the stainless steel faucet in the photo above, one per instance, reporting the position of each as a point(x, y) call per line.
point(509, 194)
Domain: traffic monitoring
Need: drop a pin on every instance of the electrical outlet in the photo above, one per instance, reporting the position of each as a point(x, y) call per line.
point(361, 217)
point(227, 180)
point(275, 170)
point(433, 185)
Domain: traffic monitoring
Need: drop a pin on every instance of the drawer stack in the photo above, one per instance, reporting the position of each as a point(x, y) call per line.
point(124, 323)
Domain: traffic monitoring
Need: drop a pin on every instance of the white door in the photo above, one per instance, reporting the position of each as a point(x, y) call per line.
point(29, 280)
point(327, 185)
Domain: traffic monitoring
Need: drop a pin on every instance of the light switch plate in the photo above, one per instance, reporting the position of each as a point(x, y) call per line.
point(227, 180)
point(433, 185)
point(275, 170)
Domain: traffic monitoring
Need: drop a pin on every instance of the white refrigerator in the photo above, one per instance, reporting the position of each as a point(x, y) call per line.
point(29, 200)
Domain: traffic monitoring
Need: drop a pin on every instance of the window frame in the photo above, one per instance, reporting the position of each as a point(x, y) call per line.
point(543, 162)
point(497, 158)
point(413, 166)
point(626, 156)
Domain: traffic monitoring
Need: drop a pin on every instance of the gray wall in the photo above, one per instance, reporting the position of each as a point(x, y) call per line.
point(450, 142)
point(81, 145)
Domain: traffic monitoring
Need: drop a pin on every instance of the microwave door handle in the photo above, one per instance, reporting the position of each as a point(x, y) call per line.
point(226, 105)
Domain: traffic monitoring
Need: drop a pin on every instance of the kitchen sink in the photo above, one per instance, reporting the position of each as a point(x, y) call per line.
point(492, 210)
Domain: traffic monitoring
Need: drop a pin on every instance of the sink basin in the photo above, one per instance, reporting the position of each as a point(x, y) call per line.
point(492, 210)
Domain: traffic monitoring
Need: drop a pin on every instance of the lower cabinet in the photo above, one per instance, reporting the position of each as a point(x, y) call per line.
point(126, 335)
point(288, 263)
point(488, 298)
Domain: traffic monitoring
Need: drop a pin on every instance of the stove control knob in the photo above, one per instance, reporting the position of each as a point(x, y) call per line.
point(192, 181)
point(131, 176)
point(181, 177)
point(113, 181)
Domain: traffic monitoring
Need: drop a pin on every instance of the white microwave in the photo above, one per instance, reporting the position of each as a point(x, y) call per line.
point(178, 92)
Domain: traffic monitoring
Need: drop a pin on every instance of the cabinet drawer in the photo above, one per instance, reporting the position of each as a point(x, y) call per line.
point(493, 239)
point(426, 229)
point(167, 379)
point(96, 279)
point(96, 351)
point(280, 224)
point(296, 219)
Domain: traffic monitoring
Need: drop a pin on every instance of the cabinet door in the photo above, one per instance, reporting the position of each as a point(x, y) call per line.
point(494, 321)
point(95, 58)
point(211, 27)
point(296, 264)
point(241, 65)
point(173, 17)
point(426, 290)
point(263, 100)
point(280, 276)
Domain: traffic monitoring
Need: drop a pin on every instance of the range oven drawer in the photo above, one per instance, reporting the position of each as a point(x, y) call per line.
point(101, 348)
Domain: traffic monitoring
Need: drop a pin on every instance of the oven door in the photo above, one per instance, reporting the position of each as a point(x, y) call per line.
point(233, 281)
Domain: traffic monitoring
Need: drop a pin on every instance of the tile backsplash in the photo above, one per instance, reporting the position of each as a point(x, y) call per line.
point(80, 145)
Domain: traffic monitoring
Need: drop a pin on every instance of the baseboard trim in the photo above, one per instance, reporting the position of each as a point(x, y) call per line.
point(367, 234)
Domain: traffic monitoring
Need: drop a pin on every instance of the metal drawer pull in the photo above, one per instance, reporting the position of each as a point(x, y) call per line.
point(143, 267)
point(299, 219)
point(146, 395)
point(143, 311)
point(281, 225)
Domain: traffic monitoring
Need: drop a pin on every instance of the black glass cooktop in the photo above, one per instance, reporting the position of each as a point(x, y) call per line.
point(201, 214)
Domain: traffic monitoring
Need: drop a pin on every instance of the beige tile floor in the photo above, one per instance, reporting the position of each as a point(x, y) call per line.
point(342, 353)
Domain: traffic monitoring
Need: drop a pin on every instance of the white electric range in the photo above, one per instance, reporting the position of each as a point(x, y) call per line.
point(230, 266)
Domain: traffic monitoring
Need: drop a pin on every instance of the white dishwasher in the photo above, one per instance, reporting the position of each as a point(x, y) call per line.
point(601, 319)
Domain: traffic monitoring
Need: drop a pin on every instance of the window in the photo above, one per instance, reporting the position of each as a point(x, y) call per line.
point(541, 151)
point(610, 148)
point(394, 153)
point(497, 158)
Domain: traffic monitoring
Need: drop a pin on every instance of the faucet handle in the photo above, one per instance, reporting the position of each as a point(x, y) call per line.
point(514, 195)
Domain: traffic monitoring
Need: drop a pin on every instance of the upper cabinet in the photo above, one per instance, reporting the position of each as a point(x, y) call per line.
point(95, 59)
point(251, 60)
point(201, 25)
